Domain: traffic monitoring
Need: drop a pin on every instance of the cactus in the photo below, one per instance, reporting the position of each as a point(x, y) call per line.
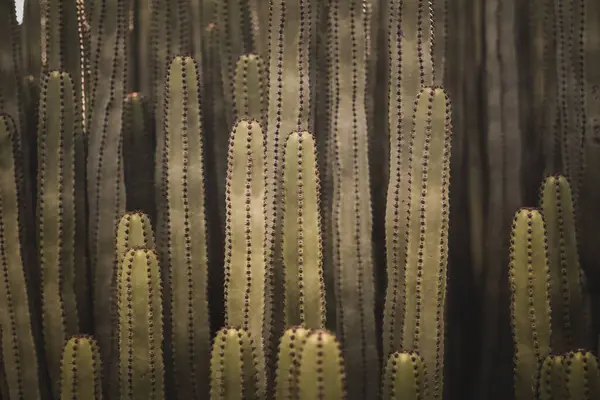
point(583, 375)
point(249, 85)
point(140, 326)
point(551, 379)
point(245, 268)
point(184, 239)
point(19, 349)
point(288, 362)
point(302, 246)
point(529, 280)
point(81, 370)
point(233, 367)
point(321, 371)
point(58, 129)
point(405, 377)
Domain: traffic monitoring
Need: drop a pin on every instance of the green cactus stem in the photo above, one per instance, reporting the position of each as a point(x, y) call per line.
point(81, 371)
point(249, 89)
point(570, 328)
point(57, 129)
point(583, 376)
point(19, 348)
point(140, 326)
point(405, 377)
point(288, 362)
point(245, 267)
point(321, 371)
point(529, 279)
point(233, 367)
point(551, 380)
point(184, 239)
point(302, 245)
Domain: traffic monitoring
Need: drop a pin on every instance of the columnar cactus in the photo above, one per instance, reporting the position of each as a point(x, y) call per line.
point(304, 295)
point(233, 371)
point(530, 299)
point(405, 377)
point(57, 131)
point(183, 241)
point(321, 371)
point(551, 380)
point(249, 89)
point(583, 375)
point(140, 326)
point(81, 373)
point(288, 362)
point(570, 328)
point(245, 267)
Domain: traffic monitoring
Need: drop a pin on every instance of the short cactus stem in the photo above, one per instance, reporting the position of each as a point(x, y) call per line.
point(233, 367)
point(321, 371)
point(81, 371)
point(405, 377)
point(582, 375)
point(530, 299)
point(551, 380)
point(288, 362)
point(302, 245)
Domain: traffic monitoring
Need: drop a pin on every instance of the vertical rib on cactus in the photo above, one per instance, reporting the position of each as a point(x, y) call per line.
point(233, 367)
point(57, 131)
point(249, 89)
point(31, 35)
point(583, 375)
point(405, 377)
point(530, 298)
point(19, 350)
point(408, 72)
point(570, 328)
point(551, 379)
point(81, 371)
point(185, 247)
point(304, 295)
point(138, 155)
point(321, 371)
point(288, 362)
point(352, 197)
point(245, 267)
point(140, 326)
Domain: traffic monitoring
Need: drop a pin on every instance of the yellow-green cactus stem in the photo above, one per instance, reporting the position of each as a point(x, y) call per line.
point(304, 295)
point(405, 377)
point(19, 349)
point(551, 380)
point(245, 267)
point(233, 367)
point(140, 326)
point(58, 128)
point(529, 279)
point(570, 328)
point(183, 241)
point(321, 371)
point(583, 375)
point(81, 372)
point(249, 97)
point(288, 362)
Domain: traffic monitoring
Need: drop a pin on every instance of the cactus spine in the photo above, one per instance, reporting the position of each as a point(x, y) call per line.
point(184, 247)
point(302, 246)
point(570, 329)
point(583, 375)
point(57, 132)
point(321, 371)
point(234, 374)
point(245, 268)
point(249, 93)
point(288, 362)
point(81, 370)
point(530, 303)
point(552, 378)
point(405, 377)
point(140, 326)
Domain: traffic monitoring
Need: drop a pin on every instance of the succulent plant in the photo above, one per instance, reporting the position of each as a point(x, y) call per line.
point(249, 89)
point(288, 362)
point(582, 375)
point(551, 380)
point(405, 377)
point(81, 372)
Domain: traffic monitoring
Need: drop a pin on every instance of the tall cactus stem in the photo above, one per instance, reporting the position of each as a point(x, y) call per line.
point(250, 89)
